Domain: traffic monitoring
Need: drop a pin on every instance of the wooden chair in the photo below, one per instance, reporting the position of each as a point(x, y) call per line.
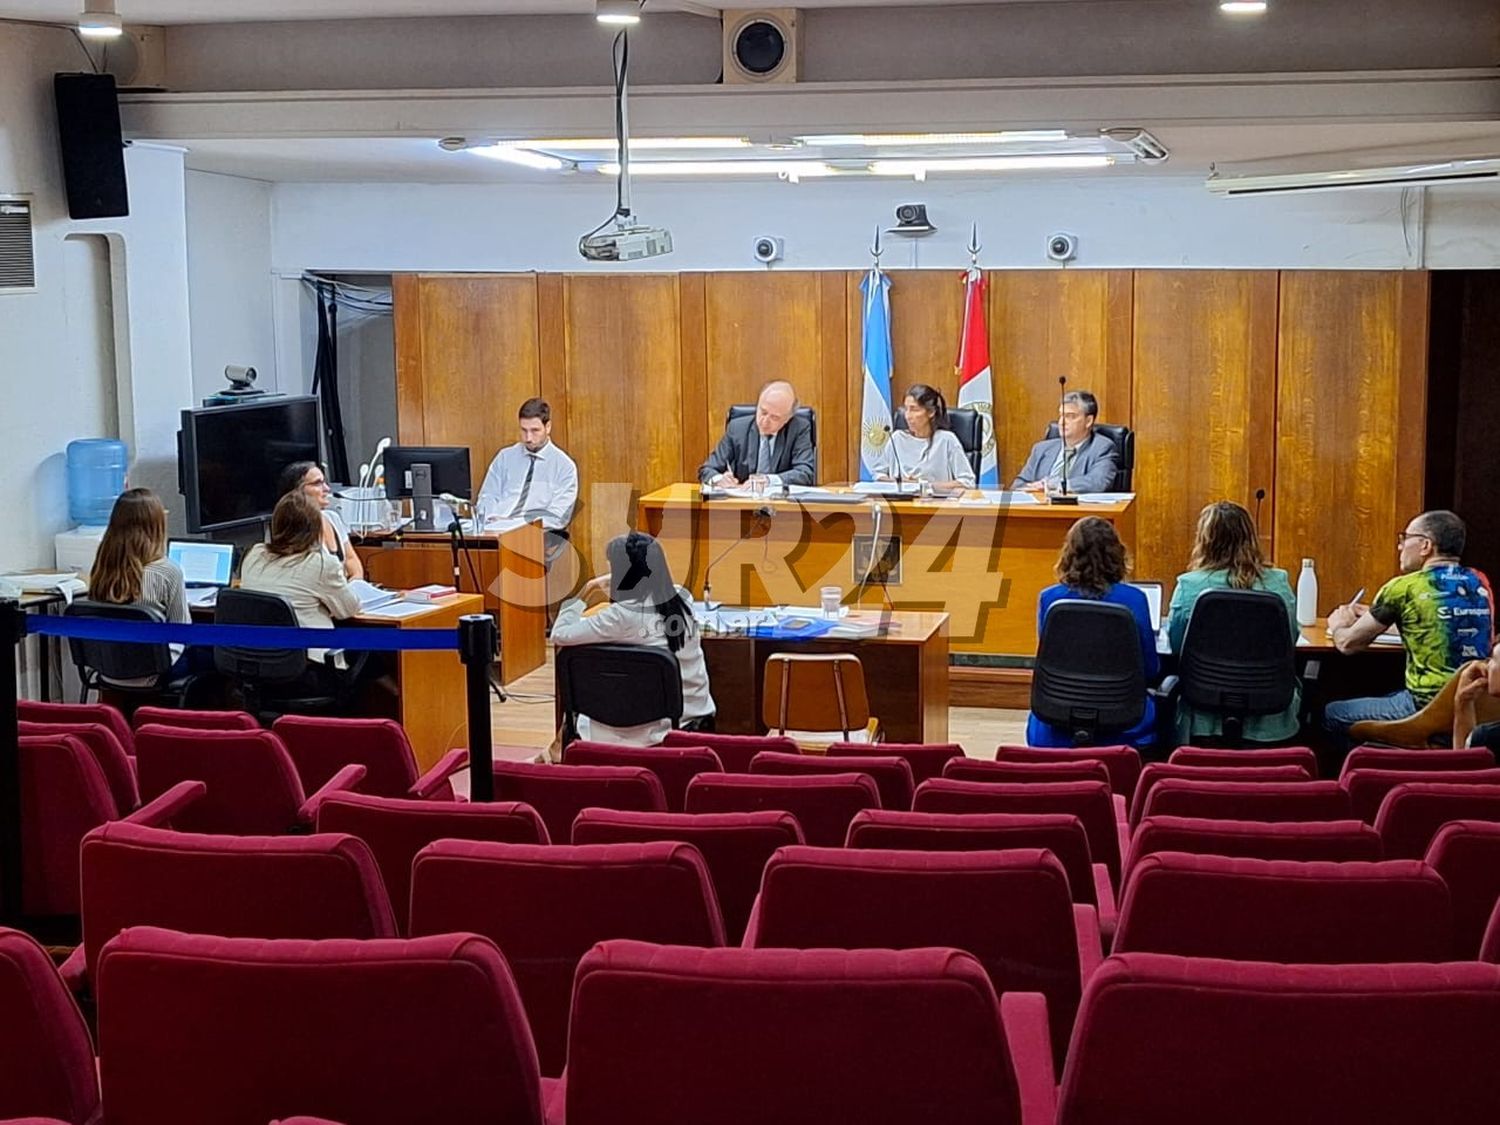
point(1431, 726)
point(818, 698)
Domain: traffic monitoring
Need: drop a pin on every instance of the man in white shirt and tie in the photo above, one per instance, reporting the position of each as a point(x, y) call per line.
point(533, 479)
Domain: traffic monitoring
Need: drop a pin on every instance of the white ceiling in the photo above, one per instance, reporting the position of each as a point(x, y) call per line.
point(237, 11)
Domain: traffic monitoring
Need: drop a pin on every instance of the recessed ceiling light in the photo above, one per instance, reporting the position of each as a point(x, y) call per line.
point(99, 20)
point(1243, 7)
point(1060, 162)
point(637, 144)
point(787, 169)
point(620, 12)
point(1014, 136)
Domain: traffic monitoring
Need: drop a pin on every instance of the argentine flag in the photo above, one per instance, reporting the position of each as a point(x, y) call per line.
point(875, 421)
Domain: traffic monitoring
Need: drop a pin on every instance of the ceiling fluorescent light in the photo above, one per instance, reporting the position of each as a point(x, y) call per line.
point(1404, 175)
point(921, 168)
point(1019, 136)
point(1243, 7)
point(99, 20)
point(619, 12)
point(637, 144)
point(788, 169)
point(522, 156)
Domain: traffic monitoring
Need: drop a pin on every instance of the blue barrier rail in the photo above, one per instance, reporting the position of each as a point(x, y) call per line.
point(373, 639)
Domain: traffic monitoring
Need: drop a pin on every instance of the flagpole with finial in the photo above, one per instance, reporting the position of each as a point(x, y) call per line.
point(974, 248)
point(875, 252)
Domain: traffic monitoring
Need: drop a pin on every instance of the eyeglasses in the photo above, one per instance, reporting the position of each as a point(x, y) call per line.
point(1403, 536)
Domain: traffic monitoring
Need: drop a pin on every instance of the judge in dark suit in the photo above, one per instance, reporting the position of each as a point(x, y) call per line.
point(775, 444)
point(1092, 459)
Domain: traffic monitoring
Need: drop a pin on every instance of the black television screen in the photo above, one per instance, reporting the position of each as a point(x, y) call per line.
point(230, 457)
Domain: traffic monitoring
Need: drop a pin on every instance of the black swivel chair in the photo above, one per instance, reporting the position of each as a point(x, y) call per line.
point(621, 685)
point(276, 681)
point(103, 665)
point(1124, 439)
point(1089, 675)
point(1238, 658)
point(967, 426)
point(747, 410)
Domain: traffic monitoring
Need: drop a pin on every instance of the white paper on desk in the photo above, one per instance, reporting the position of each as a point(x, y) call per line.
point(371, 596)
point(813, 495)
point(66, 583)
point(397, 610)
point(887, 487)
point(503, 524)
point(1003, 496)
point(1105, 497)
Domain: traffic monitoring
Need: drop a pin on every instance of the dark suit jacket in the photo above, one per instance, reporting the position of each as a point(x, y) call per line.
point(1093, 470)
point(792, 453)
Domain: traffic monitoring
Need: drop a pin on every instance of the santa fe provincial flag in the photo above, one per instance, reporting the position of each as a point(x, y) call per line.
point(976, 386)
point(875, 422)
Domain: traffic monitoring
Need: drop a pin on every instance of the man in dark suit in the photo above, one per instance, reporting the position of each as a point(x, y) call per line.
point(1092, 459)
point(776, 444)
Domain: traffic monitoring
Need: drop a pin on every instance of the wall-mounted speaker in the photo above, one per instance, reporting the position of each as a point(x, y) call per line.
point(93, 152)
point(761, 46)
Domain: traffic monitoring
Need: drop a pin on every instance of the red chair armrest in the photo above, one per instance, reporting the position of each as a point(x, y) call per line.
point(433, 781)
point(1109, 911)
point(159, 811)
point(1024, 1015)
point(1086, 926)
point(74, 971)
point(342, 782)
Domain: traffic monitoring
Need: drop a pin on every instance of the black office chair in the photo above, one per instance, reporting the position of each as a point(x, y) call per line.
point(1124, 439)
point(102, 665)
point(621, 685)
point(277, 681)
point(747, 410)
point(1089, 675)
point(1238, 658)
point(967, 426)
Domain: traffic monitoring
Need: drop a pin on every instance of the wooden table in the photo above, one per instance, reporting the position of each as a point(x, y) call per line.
point(510, 571)
point(983, 566)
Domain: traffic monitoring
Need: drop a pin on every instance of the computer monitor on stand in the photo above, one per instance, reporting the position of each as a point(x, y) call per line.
point(420, 472)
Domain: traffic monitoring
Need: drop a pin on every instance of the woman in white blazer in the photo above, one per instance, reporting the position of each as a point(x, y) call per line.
point(926, 449)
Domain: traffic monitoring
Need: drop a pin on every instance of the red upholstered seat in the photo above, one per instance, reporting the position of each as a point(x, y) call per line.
point(1184, 1041)
point(750, 1036)
point(1387, 758)
point(560, 793)
point(236, 886)
point(1249, 800)
point(1089, 801)
point(734, 750)
point(674, 766)
point(1282, 910)
point(1011, 909)
point(1466, 853)
point(253, 788)
point(926, 759)
point(823, 804)
point(1123, 762)
point(1157, 772)
point(1489, 947)
point(64, 794)
point(30, 710)
point(1271, 756)
point(1080, 769)
point(46, 1059)
point(196, 1029)
point(1331, 840)
point(1412, 814)
point(545, 907)
point(117, 767)
point(193, 720)
point(892, 775)
point(396, 830)
point(322, 745)
point(735, 846)
point(1368, 787)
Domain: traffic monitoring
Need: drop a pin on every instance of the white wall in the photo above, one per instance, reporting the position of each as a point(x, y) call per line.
point(50, 390)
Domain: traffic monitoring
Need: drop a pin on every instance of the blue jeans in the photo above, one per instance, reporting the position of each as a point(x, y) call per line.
point(1340, 716)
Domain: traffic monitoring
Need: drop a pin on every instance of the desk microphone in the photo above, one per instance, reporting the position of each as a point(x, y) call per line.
point(1260, 495)
point(761, 526)
point(1063, 497)
point(890, 436)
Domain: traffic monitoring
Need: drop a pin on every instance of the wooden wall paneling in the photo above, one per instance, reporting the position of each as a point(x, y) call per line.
point(1204, 404)
point(552, 353)
point(1351, 414)
point(700, 432)
point(624, 379)
point(833, 375)
point(1047, 323)
point(406, 310)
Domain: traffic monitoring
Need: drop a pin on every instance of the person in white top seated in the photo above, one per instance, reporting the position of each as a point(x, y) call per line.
point(309, 477)
point(295, 564)
point(644, 607)
point(532, 479)
point(926, 450)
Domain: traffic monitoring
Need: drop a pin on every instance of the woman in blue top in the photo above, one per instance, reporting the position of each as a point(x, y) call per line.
point(1093, 565)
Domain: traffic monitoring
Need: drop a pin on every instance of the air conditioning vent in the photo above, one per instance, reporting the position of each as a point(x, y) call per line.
point(17, 257)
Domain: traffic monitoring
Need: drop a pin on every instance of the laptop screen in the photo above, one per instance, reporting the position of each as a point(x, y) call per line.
point(1152, 590)
point(203, 564)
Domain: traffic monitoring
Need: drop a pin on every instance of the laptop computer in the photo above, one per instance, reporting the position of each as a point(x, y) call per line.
point(1152, 590)
point(203, 564)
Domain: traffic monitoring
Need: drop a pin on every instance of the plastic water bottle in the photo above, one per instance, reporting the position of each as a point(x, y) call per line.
point(1307, 594)
point(96, 477)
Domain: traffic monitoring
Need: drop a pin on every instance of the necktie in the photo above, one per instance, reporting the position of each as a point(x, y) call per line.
point(520, 507)
point(763, 464)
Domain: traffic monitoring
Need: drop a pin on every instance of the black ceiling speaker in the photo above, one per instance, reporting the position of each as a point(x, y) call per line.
point(93, 152)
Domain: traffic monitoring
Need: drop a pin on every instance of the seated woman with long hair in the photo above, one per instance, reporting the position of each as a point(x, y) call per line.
point(308, 476)
point(1227, 555)
point(927, 449)
point(644, 607)
point(1092, 566)
point(132, 568)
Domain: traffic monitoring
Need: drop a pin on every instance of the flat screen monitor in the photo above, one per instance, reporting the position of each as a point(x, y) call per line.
point(450, 469)
point(202, 564)
point(229, 457)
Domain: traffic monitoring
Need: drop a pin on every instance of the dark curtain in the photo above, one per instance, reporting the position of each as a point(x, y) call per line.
point(326, 385)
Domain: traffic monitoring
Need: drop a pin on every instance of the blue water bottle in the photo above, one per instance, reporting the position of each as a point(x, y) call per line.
point(96, 477)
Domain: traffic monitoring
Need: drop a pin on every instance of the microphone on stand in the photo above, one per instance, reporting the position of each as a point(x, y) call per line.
point(1063, 497)
point(760, 526)
point(890, 436)
point(1260, 495)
